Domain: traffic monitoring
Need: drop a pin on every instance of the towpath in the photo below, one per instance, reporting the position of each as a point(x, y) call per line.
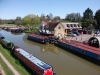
point(9, 65)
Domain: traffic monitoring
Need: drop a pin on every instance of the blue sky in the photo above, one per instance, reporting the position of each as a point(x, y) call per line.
point(10, 9)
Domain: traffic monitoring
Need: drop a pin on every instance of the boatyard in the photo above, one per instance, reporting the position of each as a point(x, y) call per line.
point(42, 38)
point(57, 53)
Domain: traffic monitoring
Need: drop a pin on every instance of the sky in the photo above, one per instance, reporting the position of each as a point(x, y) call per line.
point(10, 9)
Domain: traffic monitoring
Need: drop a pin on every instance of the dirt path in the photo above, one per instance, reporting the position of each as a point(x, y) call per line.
point(9, 65)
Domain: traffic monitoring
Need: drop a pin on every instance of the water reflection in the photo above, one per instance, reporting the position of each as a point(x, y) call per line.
point(44, 48)
point(16, 33)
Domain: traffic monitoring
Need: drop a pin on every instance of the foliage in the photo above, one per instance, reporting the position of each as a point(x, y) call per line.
point(88, 14)
point(0, 21)
point(31, 20)
point(18, 20)
point(89, 19)
point(56, 18)
point(73, 17)
point(97, 17)
point(42, 17)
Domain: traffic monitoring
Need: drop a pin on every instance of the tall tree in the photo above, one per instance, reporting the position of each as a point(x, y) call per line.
point(97, 17)
point(56, 18)
point(0, 21)
point(18, 20)
point(51, 16)
point(42, 17)
point(47, 18)
point(88, 14)
point(88, 18)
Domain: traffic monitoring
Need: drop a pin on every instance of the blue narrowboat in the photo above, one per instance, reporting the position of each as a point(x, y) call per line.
point(38, 38)
point(80, 48)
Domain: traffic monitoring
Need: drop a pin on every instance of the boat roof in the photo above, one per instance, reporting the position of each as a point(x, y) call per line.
point(6, 40)
point(33, 59)
point(1, 36)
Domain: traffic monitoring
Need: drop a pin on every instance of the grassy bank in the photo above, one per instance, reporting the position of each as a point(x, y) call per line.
point(15, 63)
point(6, 69)
point(27, 31)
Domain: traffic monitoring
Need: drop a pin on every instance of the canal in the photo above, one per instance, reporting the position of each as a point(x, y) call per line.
point(63, 62)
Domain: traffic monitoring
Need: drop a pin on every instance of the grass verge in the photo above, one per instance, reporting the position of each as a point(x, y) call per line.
point(15, 63)
point(5, 68)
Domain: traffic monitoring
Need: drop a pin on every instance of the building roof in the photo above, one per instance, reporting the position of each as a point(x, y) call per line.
point(51, 25)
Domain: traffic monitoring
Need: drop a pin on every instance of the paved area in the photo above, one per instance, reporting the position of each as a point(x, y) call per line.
point(82, 37)
point(9, 65)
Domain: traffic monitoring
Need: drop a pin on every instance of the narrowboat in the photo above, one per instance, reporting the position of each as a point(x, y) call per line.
point(80, 48)
point(35, 64)
point(5, 42)
point(51, 39)
point(16, 30)
point(38, 38)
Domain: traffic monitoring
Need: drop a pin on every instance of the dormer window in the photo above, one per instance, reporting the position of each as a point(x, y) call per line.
point(68, 25)
point(71, 25)
point(75, 25)
point(78, 25)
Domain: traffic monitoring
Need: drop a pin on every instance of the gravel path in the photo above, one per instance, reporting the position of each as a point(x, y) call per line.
point(9, 65)
point(83, 37)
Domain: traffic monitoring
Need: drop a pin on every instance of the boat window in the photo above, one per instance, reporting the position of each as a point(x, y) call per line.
point(83, 51)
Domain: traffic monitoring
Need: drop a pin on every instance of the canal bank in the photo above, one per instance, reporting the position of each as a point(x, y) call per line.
point(11, 63)
point(63, 62)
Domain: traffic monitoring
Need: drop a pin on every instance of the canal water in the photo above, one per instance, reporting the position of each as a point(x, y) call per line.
point(63, 62)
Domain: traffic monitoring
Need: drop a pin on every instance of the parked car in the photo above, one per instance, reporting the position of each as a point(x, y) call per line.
point(71, 34)
point(76, 32)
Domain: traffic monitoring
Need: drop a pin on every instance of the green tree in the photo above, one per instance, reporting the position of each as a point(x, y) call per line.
point(88, 18)
point(56, 18)
point(88, 14)
point(0, 21)
point(75, 17)
point(97, 17)
point(18, 20)
point(31, 20)
point(42, 17)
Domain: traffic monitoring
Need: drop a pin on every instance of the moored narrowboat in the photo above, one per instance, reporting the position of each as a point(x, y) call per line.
point(38, 38)
point(5, 42)
point(80, 48)
point(35, 64)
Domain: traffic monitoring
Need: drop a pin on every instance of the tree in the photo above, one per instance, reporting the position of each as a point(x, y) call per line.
point(75, 17)
point(31, 20)
point(51, 16)
point(88, 14)
point(97, 17)
point(56, 18)
point(42, 17)
point(88, 18)
point(0, 21)
point(18, 20)
point(47, 18)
